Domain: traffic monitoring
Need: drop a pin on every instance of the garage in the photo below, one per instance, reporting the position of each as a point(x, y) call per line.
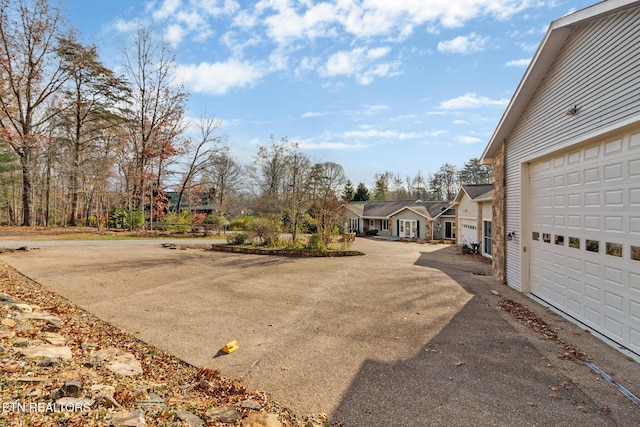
point(584, 228)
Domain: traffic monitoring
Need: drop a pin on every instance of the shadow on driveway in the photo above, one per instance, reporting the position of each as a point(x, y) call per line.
point(480, 369)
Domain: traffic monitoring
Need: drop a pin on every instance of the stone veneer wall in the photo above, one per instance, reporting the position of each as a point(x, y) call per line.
point(498, 213)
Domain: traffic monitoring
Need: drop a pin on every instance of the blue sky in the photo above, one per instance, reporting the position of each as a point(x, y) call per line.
point(374, 85)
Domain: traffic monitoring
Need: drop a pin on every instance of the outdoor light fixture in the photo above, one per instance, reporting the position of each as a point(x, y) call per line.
point(572, 111)
point(511, 235)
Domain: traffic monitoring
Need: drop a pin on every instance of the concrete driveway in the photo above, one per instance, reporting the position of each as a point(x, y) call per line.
point(409, 334)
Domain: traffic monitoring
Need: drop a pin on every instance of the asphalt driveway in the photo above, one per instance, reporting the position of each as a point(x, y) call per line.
point(409, 334)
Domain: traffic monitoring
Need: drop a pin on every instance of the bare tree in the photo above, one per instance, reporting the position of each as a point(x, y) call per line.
point(326, 182)
point(269, 173)
point(224, 175)
point(31, 72)
point(205, 150)
point(157, 110)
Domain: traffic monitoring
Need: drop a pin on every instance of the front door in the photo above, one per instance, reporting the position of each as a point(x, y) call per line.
point(448, 229)
point(407, 228)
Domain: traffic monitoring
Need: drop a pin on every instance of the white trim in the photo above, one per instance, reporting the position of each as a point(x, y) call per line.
point(409, 209)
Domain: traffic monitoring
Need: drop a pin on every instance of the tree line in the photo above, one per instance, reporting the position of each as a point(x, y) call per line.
point(83, 145)
point(443, 185)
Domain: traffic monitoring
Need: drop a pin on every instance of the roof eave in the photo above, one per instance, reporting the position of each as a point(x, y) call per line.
point(554, 39)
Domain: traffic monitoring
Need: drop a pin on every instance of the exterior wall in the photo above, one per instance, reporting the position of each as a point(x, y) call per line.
point(467, 212)
point(594, 72)
point(377, 225)
point(498, 265)
point(351, 216)
point(486, 211)
point(424, 228)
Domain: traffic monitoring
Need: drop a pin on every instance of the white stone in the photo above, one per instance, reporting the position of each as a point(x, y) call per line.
point(125, 364)
point(47, 351)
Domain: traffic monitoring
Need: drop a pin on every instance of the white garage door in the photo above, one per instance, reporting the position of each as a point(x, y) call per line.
point(585, 236)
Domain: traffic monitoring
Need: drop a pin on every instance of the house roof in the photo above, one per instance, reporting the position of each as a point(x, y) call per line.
point(551, 44)
point(387, 209)
point(478, 191)
point(198, 201)
point(356, 207)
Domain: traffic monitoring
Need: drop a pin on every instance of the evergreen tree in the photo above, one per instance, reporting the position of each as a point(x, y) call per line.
point(473, 172)
point(362, 193)
point(348, 192)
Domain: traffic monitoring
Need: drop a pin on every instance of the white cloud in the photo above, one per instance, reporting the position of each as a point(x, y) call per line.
point(330, 145)
point(174, 34)
point(361, 64)
point(182, 19)
point(220, 77)
point(472, 43)
point(286, 20)
point(344, 63)
point(167, 9)
point(518, 62)
point(311, 114)
point(378, 52)
point(370, 133)
point(468, 140)
point(471, 100)
point(123, 26)
point(375, 109)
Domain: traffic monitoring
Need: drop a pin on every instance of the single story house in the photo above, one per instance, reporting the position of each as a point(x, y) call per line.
point(197, 202)
point(566, 169)
point(474, 217)
point(411, 219)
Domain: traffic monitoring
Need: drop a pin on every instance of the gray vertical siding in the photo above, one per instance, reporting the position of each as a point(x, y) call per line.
point(598, 71)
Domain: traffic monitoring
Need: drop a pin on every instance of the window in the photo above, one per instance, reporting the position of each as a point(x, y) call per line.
point(559, 240)
point(614, 249)
point(535, 236)
point(546, 237)
point(593, 246)
point(384, 224)
point(574, 242)
point(354, 224)
point(635, 253)
point(486, 238)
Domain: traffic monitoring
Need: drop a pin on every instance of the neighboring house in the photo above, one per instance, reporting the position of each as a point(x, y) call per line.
point(200, 202)
point(566, 167)
point(474, 217)
point(411, 219)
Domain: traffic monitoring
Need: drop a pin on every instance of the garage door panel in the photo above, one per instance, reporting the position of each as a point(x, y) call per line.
point(614, 301)
point(592, 316)
point(634, 285)
point(613, 223)
point(614, 276)
point(614, 198)
point(614, 328)
point(634, 168)
point(585, 219)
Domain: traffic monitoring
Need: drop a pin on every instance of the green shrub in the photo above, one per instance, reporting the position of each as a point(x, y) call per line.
point(241, 223)
point(265, 230)
point(178, 222)
point(316, 243)
point(237, 238)
point(372, 232)
point(125, 219)
point(308, 224)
